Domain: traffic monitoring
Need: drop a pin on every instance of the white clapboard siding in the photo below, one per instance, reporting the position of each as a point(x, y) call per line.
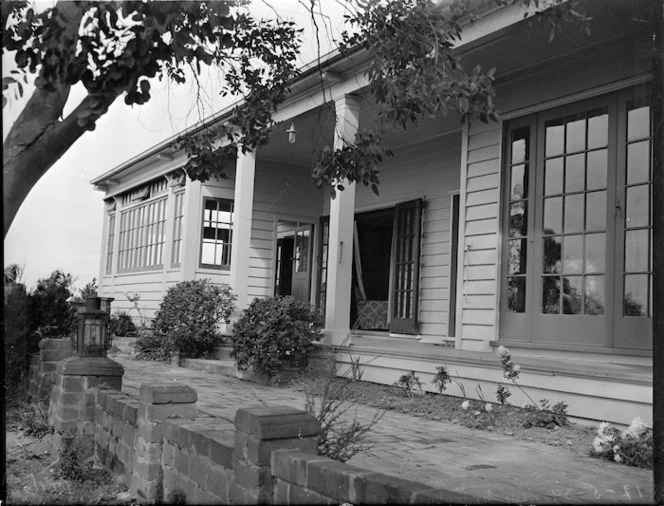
point(480, 236)
point(280, 192)
point(429, 171)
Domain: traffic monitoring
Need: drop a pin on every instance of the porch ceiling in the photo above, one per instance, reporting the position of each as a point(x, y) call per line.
point(526, 43)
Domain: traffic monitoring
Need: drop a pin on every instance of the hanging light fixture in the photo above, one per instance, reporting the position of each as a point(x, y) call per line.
point(291, 133)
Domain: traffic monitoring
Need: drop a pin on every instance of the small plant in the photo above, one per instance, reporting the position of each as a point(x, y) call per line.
point(441, 379)
point(410, 384)
point(32, 419)
point(329, 399)
point(121, 324)
point(632, 447)
point(546, 416)
point(274, 331)
point(69, 465)
point(502, 393)
point(51, 315)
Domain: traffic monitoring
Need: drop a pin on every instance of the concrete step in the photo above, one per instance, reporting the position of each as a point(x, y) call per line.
point(123, 345)
point(222, 367)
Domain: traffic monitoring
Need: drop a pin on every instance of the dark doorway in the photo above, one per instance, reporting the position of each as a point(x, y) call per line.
point(371, 270)
point(284, 277)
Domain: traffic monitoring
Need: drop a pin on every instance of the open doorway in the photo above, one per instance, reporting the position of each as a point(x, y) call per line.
point(372, 250)
point(293, 267)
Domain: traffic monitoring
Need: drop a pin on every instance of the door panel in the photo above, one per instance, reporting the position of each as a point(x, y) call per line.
point(406, 267)
point(302, 262)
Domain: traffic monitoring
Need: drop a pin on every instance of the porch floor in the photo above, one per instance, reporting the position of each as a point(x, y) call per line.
point(381, 344)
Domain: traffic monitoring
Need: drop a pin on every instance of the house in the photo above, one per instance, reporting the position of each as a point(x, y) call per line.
point(534, 232)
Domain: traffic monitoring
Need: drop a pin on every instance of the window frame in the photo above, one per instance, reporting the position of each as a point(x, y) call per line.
point(178, 223)
point(201, 264)
point(132, 240)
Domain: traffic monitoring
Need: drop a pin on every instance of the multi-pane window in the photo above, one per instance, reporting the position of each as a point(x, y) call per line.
point(110, 243)
point(178, 216)
point(637, 288)
point(577, 259)
point(574, 218)
point(142, 236)
point(322, 270)
point(217, 233)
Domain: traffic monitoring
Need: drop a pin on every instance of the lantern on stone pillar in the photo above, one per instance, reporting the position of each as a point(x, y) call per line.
point(92, 338)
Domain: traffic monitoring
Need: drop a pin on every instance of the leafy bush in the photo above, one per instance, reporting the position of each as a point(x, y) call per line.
point(632, 447)
point(188, 317)
point(17, 325)
point(273, 331)
point(51, 316)
point(121, 324)
point(150, 347)
point(547, 416)
point(31, 418)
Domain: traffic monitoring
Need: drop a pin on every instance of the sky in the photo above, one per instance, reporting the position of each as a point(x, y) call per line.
point(59, 224)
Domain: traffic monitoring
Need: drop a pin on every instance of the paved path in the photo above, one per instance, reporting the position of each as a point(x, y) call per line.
point(483, 464)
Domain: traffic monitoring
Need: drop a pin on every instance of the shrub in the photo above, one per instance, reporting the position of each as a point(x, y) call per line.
point(632, 447)
point(121, 324)
point(188, 317)
point(16, 347)
point(273, 331)
point(150, 347)
point(547, 416)
point(31, 418)
point(70, 466)
point(51, 316)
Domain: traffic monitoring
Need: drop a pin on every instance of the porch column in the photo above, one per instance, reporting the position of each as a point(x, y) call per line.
point(342, 213)
point(245, 170)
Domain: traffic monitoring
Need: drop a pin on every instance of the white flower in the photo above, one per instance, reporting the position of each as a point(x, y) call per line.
point(465, 405)
point(502, 352)
point(615, 448)
point(617, 458)
point(516, 368)
point(524, 405)
point(636, 428)
point(506, 374)
point(488, 407)
point(597, 444)
point(602, 427)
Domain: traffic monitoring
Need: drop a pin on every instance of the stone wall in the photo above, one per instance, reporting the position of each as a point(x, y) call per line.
point(268, 455)
point(43, 365)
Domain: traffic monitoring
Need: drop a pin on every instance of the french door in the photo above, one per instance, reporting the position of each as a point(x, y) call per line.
point(576, 261)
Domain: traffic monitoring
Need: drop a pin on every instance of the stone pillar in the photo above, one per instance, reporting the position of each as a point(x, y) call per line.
point(157, 403)
point(243, 204)
point(342, 219)
point(71, 411)
point(258, 432)
point(43, 365)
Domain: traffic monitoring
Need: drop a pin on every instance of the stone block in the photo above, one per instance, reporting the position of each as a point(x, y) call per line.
point(123, 452)
point(130, 412)
point(251, 476)
point(334, 479)
point(167, 393)
point(169, 427)
point(291, 465)
point(87, 429)
point(260, 451)
point(171, 480)
point(181, 461)
point(200, 439)
point(240, 495)
point(441, 496)
point(151, 432)
point(276, 422)
point(148, 471)
point(89, 366)
point(198, 470)
point(205, 497)
point(189, 488)
point(55, 344)
point(70, 383)
point(167, 454)
point(300, 495)
point(221, 453)
point(280, 493)
point(382, 489)
point(219, 480)
point(53, 355)
point(164, 411)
